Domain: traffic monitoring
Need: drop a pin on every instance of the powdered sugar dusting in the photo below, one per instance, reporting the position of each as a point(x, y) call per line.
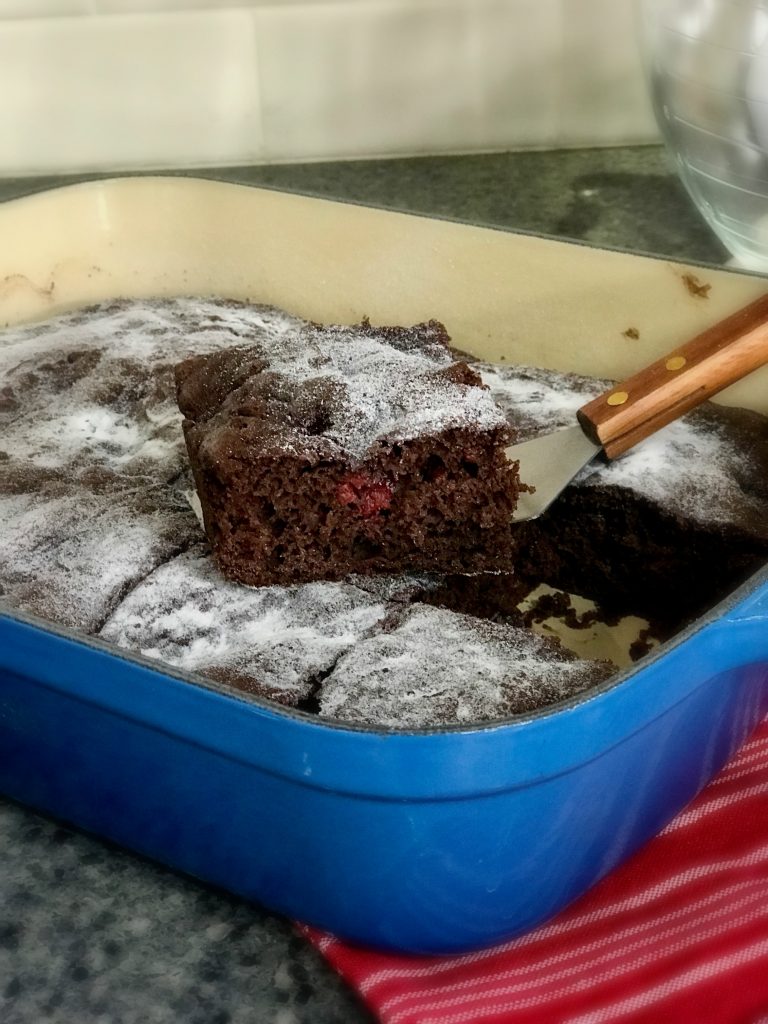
point(96, 386)
point(438, 666)
point(393, 394)
point(68, 553)
point(111, 436)
point(94, 517)
point(154, 332)
point(400, 587)
point(268, 640)
point(374, 385)
point(538, 401)
point(687, 469)
point(693, 467)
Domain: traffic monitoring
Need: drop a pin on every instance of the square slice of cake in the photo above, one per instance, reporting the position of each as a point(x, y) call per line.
point(272, 642)
point(72, 545)
point(430, 666)
point(323, 451)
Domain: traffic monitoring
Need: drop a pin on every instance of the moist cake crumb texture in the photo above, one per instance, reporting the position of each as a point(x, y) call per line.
point(346, 450)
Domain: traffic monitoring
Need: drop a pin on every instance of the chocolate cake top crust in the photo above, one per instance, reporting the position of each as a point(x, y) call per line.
point(434, 666)
point(710, 466)
point(270, 641)
point(70, 548)
point(335, 391)
point(95, 387)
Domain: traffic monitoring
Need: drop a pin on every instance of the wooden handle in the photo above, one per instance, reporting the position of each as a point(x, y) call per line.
point(663, 391)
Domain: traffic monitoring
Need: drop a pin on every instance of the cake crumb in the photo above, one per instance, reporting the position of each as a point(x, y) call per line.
point(696, 287)
point(644, 644)
point(558, 606)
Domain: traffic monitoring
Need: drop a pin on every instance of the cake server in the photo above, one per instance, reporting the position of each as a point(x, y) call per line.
point(631, 411)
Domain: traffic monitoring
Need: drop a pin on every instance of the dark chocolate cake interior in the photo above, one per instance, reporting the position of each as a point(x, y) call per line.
point(339, 450)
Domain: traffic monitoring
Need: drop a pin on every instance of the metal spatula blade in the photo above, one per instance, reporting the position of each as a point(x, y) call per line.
point(549, 467)
point(633, 410)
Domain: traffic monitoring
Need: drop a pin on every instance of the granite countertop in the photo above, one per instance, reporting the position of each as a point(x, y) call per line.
point(90, 934)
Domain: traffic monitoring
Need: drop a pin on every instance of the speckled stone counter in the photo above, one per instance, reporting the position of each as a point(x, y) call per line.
point(625, 197)
point(90, 934)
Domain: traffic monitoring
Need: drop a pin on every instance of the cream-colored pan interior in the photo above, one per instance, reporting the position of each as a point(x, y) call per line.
point(501, 295)
point(519, 297)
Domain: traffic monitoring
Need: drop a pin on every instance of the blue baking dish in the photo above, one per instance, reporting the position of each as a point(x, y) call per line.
point(432, 841)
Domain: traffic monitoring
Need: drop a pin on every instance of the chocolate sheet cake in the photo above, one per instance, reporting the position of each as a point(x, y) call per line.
point(96, 531)
point(330, 450)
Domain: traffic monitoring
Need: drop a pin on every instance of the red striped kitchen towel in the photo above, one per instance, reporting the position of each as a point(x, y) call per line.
point(677, 934)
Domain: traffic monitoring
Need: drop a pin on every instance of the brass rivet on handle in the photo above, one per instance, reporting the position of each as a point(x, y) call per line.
point(675, 362)
point(617, 398)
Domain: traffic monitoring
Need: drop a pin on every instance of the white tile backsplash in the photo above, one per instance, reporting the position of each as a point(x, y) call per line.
point(42, 8)
point(401, 77)
point(128, 91)
point(83, 84)
point(603, 95)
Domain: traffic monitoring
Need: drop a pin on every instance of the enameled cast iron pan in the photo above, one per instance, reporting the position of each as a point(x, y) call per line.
point(435, 841)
